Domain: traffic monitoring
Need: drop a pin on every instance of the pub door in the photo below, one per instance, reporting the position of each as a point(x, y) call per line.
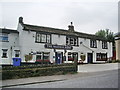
point(90, 57)
point(58, 57)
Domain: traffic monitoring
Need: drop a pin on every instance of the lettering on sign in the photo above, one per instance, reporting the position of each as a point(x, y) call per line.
point(50, 46)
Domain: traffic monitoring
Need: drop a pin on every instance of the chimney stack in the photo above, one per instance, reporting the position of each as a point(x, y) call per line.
point(71, 27)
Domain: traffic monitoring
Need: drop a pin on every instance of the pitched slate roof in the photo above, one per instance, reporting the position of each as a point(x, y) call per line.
point(28, 27)
point(4, 30)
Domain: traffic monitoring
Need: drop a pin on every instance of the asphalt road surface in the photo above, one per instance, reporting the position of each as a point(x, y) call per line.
point(104, 79)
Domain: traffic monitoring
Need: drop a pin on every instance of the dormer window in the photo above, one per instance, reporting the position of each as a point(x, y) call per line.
point(93, 43)
point(104, 45)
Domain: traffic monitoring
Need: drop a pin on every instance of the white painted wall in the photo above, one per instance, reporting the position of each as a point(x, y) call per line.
point(12, 45)
point(25, 42)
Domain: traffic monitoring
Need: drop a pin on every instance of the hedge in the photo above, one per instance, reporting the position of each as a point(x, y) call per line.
point(36, 70)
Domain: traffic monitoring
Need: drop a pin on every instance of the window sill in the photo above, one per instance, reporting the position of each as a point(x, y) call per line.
point(4, 41)
point(93, 47)
point(4, 57)
point(104, 48)
point(42, 42)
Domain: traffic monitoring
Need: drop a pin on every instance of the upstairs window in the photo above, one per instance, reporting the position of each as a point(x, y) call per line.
point(4, 54)
point(4, 37)
point(104, 45)
point(72, 41)
point(17, 53)
point(93, 43)
point(43, 38)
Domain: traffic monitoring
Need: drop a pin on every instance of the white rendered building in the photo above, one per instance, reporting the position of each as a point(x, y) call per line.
point(40, 43)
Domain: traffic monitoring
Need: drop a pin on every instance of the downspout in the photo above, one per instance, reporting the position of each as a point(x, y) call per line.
point(11, 54)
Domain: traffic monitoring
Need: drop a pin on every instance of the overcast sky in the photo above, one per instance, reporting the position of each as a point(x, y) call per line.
point(87, 17)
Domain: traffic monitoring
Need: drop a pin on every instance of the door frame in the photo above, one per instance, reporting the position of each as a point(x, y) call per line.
point(89, 57)
point(56, 57)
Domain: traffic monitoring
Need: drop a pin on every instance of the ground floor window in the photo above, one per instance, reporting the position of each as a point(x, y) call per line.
point(72, 56)
point(46, 56)
point(101, 56)
point(4, 54)
point(43, 57)
point(38, 56)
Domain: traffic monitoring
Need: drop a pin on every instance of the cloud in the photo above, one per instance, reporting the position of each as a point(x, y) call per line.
point(86, 16)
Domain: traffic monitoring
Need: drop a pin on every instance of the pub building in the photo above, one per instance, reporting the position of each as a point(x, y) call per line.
point(34, 43)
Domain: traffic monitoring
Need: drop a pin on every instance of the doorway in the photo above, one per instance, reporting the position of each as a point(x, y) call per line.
point(90, 57)
point(58, 57)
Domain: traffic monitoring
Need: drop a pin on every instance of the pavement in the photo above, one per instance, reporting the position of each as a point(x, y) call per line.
point(82, 70)
point(97, 67)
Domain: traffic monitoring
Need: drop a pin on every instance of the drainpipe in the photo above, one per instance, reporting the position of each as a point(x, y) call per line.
point(11, 54)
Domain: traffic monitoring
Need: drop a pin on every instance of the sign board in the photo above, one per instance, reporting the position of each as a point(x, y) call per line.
point(66, 47)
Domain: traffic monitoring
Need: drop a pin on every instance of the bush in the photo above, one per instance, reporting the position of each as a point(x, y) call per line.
point(36, 70)
point(114, 61)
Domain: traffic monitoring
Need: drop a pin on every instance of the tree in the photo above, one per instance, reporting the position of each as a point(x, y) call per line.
point(106, 34)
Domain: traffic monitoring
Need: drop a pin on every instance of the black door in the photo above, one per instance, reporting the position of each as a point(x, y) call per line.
point(90, 57)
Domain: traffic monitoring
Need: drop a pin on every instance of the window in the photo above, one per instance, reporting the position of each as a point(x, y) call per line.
point(39, 56)
point(48, 38)
point(17, 52)
point(101, 56)
point(72, 41)
point(104, 45)
point(72, 56)
point(38, 37)
point(46, 56)
point(4, 55)
point(43, 38)
point(93, 43)
point(43, 56)
point(4, 37)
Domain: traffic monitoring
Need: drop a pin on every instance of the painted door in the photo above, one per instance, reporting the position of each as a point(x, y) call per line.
point(58, 58)
point(90, 58)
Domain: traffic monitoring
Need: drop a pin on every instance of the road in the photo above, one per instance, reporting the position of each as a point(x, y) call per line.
point(103, 79)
